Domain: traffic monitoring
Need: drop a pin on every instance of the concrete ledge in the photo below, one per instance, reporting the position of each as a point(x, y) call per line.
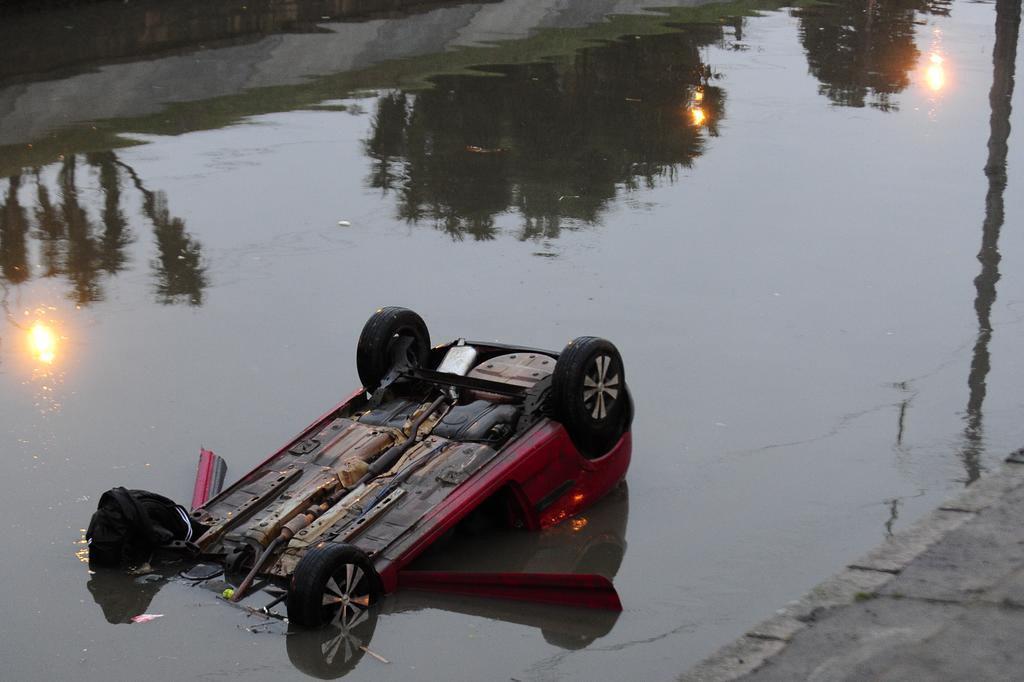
point(893, 555)
point(845, 587)
point(743, 656)
point(782, 627)
point(865, 579)
point(987, 491)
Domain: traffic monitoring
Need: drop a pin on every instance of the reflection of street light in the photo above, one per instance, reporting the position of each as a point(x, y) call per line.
point(41, 356)
point(42, 341)
point(935, 73)
point(697, 115)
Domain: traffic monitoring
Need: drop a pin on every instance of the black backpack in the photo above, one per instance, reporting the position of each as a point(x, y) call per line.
point(129, 525)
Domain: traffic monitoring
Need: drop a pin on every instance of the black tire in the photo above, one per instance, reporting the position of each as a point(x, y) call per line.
point(589, 396)
point(333, 583)
point(375, 352)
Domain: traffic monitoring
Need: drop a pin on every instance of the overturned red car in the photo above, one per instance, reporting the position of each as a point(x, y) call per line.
point(465, 432)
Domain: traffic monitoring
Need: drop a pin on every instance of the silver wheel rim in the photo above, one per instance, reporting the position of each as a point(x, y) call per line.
point(600, 387)
point(346, 598)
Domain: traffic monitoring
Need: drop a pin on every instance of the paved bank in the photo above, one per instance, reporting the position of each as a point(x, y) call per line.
point(943, 600)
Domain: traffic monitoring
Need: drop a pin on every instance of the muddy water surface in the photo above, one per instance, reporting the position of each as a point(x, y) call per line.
point(797, 224)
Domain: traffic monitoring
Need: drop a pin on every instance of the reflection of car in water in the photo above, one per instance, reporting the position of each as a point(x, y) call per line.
point(591, 543)
point(465, 432)
point(594, 544)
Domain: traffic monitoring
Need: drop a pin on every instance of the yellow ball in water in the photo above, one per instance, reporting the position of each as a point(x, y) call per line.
point(228, 593)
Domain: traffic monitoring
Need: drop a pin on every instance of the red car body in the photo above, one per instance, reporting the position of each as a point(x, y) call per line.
point(527, 471)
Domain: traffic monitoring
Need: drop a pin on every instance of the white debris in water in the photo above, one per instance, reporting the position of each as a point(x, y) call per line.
point(344, 223)
point(146, 617)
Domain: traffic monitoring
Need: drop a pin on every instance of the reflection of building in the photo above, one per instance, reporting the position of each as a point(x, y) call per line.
point(194, 50)
point(73, 245)
point(862, 51)
point(553, 140)
point(38, 41)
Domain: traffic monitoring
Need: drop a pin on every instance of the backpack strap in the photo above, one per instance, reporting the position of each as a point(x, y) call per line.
point(169, 519)
point(136, 514)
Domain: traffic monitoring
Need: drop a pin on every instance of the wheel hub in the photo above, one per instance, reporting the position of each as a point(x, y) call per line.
point(600, 387)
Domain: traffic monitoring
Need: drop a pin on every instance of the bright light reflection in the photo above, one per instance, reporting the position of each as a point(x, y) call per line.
point(935, 73)
point(82, 553)
point(695, 109)
point(42, 341)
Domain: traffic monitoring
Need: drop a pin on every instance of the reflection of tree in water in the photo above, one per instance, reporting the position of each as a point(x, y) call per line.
point(554, 140)
point(116, 235)
point(50, 230)
point(81, 262)
point(180, 273)
point(72, 245)
point(13, 231)
point(862, 51)
point(1004, 56)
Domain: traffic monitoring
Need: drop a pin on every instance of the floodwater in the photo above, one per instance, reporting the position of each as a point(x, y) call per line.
point(799, 225)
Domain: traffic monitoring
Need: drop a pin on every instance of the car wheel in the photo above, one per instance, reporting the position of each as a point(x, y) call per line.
point(333, 583)
point(588, 393)
point(377, 350)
